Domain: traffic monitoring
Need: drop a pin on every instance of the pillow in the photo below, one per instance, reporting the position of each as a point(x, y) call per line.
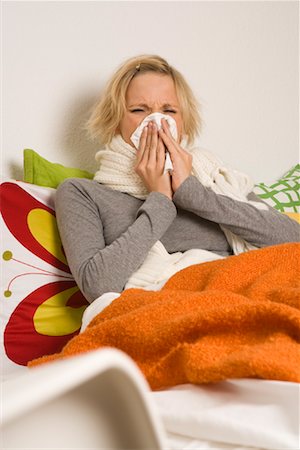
point(284, 194)
point(295, 216)
point(42, 306)
point(39, 171)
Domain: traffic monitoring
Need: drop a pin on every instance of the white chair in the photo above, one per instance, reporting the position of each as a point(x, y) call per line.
point(97, 400)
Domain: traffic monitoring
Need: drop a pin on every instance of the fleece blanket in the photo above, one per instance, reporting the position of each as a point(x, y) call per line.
point(232, 318)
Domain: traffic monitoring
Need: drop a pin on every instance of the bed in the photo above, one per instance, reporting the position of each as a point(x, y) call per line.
point(42, 310)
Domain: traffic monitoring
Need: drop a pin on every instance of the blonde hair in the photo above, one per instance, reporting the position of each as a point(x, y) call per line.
point(108, 112)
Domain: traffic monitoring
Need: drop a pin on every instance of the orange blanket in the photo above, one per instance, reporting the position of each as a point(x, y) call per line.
point(231, 318)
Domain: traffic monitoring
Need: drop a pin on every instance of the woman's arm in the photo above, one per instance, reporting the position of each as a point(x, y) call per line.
point(258, 227)
point(97, 267)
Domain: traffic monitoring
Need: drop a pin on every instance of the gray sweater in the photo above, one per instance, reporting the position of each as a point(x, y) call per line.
point(107, 234)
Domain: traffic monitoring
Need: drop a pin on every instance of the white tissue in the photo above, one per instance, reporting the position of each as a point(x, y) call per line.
point(156, 117)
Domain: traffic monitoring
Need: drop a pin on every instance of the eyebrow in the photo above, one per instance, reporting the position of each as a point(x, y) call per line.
point(144, 105)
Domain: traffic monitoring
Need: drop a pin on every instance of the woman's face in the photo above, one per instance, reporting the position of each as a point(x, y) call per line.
point(148, 93)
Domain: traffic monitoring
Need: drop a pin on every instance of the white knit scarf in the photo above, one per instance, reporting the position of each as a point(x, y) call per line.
point(116, 170)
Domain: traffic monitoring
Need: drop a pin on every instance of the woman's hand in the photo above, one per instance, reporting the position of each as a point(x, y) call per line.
point(181, 159)
point(151, 160)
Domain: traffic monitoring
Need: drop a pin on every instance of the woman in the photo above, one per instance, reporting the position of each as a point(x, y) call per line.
point(134, 210)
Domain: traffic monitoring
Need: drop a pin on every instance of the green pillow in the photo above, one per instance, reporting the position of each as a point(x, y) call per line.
point(38, 170)
point(284, 194)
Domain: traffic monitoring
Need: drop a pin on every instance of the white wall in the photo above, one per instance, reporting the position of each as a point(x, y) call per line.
point(241, 59)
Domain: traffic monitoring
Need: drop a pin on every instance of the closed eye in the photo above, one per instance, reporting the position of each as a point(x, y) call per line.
point(170, 111)
point(137, 110)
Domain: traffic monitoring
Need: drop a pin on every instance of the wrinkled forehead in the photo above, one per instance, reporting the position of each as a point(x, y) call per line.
point(151, 88)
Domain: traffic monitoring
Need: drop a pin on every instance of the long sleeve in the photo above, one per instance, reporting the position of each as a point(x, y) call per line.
point(258, 227)
point(96, 266)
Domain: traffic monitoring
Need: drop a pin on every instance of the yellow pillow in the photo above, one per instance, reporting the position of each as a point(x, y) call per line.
point(293, 215)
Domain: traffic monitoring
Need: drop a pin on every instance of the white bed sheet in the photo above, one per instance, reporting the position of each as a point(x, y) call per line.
point(234, 414)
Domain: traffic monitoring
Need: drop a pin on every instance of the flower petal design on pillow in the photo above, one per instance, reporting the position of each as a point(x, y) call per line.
point(40, 222)
point(58, 315)
point(17, 208)
point(46, 315)
point(29, 333)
